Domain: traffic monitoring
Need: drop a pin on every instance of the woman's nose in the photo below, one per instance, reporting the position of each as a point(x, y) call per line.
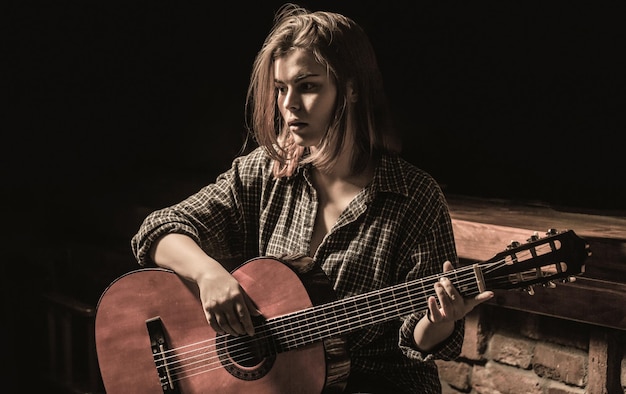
point(292, 101)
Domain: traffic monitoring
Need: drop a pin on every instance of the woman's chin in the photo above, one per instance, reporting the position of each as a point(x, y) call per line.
point(305, 142)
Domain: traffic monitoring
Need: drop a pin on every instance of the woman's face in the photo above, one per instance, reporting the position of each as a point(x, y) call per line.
point(305, 94)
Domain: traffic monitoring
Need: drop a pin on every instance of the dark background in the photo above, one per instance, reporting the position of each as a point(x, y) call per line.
point(117, 108)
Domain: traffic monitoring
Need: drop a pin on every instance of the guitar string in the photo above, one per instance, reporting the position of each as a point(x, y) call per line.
point(384, 292)
point(204, 369)
point(253, 357)
point(176, 366)
point(213, 357)
point(277, 317)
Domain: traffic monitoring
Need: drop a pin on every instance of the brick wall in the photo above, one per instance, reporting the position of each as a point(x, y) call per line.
point(508, 351)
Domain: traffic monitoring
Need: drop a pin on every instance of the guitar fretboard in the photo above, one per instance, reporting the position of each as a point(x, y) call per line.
point(341, 317)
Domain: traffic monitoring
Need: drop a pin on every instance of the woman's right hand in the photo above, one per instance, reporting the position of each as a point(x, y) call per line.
point(225, 304)
point(227, 307)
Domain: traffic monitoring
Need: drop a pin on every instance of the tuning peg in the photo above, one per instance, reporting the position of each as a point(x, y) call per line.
point(552, 231)
point(514, 244)
point(530, 290)
point(533, 237)
point(569, 279)
point(550, 284)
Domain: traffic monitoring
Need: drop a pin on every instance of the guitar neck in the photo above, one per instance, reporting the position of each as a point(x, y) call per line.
point(540, 261)
point(349, 314)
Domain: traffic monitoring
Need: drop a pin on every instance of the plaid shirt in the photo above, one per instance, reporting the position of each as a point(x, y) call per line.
point(396, 229)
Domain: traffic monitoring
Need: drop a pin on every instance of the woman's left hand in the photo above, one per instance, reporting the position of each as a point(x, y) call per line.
point(449, 305)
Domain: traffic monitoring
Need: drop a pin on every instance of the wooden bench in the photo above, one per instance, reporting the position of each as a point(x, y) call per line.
point(484, 228)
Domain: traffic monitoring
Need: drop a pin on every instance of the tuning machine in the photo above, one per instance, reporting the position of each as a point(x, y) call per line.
point(549, 284)
point(514, 244)
point(533, 237)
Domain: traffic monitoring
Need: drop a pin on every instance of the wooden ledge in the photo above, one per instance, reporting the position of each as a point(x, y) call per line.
point(484, 228)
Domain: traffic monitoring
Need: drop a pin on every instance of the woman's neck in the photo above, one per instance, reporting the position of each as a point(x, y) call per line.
point(341, 180)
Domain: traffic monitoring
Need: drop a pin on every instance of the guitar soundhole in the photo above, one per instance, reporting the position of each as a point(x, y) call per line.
point(244, 357)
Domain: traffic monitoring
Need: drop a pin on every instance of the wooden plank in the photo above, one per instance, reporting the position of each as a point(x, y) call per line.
point(605, 356)
point(585, 300)
point(483, 228)
point(596, 224)
point(481, 241)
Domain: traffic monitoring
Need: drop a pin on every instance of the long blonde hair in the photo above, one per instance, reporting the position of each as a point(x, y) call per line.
point(341, 45)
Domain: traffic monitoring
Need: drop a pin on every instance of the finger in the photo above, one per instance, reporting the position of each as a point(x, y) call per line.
point(221, 324)
point(252, 308)
point(434, 309)
point(451, 291)
point(234, 319)
point(451, 302)
point(245, 319)
point(479, 299)
point(444, 301)
point(213, 323)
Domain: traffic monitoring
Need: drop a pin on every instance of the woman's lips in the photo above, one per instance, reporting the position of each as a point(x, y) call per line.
point(294, 126)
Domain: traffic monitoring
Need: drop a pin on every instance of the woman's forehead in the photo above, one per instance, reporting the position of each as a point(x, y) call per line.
point(296, 65)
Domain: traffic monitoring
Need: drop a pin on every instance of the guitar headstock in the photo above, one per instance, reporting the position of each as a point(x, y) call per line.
point(541, 260)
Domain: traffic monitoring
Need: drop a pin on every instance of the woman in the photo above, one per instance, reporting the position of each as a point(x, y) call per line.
point(326, 182)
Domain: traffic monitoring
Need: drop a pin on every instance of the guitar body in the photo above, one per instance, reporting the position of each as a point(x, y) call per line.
point(126, 354)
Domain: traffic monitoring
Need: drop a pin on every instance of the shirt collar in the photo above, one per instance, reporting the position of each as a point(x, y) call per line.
point(388, 176)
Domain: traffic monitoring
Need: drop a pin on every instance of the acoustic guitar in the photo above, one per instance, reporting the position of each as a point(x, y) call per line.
point(152, 335)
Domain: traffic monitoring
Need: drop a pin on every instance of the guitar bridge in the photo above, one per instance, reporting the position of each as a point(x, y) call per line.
point(162, 360)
